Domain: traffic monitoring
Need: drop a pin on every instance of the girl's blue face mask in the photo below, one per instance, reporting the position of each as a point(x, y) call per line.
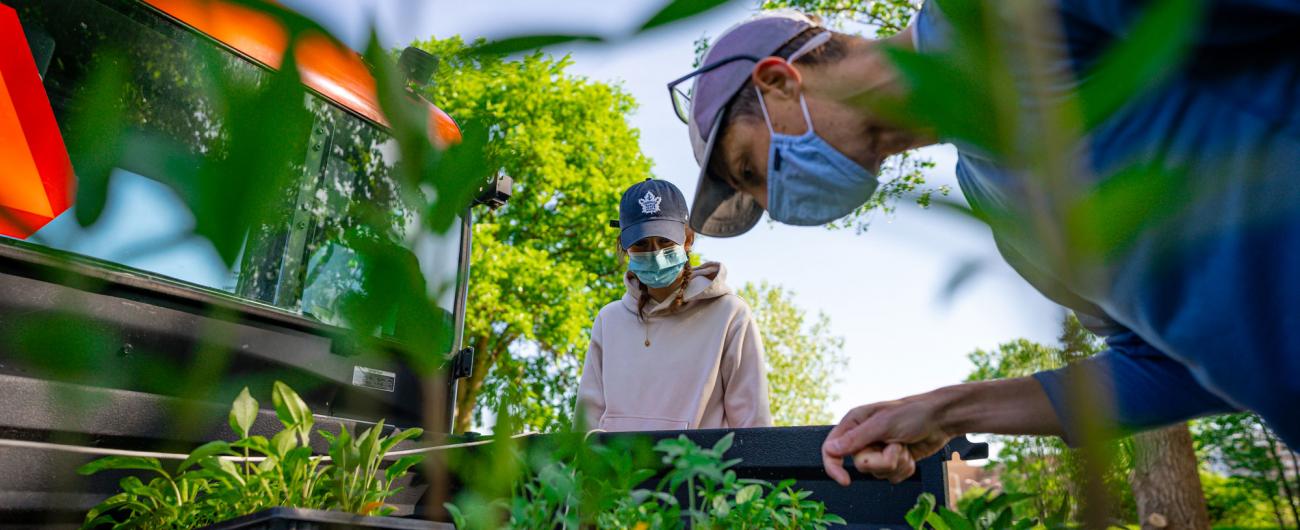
point(809, 182)
point(660, 268)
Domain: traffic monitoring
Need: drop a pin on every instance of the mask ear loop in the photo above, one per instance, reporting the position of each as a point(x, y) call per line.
point(763, 105)
point(803, 104)
point(812, 44)
point(807, 119)
point(815, 42)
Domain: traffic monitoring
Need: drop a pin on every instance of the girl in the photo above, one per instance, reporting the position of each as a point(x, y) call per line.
point(680, 350)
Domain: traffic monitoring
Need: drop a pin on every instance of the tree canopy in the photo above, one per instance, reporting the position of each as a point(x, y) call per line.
point(803, 357)
point(1250, 476)
point(884, 17)
point(545, 263)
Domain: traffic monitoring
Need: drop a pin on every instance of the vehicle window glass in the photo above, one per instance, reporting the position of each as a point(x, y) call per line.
point(303, 260)
point(144, 225)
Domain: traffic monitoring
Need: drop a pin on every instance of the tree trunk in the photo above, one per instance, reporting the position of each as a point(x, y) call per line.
point(435, 468)
point(1166, 482)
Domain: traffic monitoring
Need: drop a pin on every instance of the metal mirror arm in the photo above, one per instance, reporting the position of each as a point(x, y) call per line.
point(493, 194)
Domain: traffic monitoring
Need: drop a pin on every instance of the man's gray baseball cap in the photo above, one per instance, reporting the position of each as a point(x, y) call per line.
point(719, 210)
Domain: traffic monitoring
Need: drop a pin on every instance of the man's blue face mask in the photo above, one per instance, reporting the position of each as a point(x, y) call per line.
point(660, 268)
point(809, 182)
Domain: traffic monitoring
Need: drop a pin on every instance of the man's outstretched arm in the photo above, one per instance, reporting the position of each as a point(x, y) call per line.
point(886, 439)
point(1131, 385)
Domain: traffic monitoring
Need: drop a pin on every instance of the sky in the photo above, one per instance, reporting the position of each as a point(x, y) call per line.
point(882, 290)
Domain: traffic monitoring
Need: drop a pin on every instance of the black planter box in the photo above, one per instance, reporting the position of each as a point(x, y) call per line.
point(303, 519)
point(778, 453)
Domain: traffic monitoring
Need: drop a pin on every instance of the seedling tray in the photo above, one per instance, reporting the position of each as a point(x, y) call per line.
point(303, 519)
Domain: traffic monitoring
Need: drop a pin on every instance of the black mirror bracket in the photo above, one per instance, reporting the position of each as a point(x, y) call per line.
point(495, 192)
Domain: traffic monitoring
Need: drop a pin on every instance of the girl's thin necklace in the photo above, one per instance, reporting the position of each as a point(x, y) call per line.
point(646, 323)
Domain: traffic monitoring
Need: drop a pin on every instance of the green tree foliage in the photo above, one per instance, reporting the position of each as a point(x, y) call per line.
point(1250, 468)
point(1236, 503)
point(803, 357)
point(883, 17)
point(545, 263)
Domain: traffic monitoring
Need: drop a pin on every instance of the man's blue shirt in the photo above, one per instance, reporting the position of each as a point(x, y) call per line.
point(1200, 305)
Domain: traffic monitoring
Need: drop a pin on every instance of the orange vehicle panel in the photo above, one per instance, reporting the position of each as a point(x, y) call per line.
point(38, 181)
point(325, 65)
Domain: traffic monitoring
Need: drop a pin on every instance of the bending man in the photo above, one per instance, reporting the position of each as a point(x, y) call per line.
point(1198, 308)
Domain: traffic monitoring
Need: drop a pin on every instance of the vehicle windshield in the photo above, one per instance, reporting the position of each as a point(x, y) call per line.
point(301, 262)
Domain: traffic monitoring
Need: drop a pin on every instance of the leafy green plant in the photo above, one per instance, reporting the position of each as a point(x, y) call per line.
point(222, 480)
point(725, 501)
point(989, 511)
point(571, 494)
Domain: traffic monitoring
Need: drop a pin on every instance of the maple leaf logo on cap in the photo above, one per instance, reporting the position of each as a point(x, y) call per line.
point(650, 203)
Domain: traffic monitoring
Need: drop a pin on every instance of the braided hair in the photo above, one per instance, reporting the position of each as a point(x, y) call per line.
point(681, 292)
point(641, 301)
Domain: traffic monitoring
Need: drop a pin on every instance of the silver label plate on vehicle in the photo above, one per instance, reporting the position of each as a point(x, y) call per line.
point(372, 378)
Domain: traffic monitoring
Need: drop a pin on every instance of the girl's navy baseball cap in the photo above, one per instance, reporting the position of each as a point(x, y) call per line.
point(652, 208)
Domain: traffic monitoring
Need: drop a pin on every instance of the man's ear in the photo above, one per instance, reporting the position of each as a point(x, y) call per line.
point(773, 75)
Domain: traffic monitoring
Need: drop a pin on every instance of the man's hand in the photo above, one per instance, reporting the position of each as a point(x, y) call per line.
point(886, 439)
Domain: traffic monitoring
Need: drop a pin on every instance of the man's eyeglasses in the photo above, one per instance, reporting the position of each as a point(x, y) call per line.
point(682, 98)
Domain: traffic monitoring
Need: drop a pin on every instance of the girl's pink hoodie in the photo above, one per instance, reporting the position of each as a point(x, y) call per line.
point(703, 368)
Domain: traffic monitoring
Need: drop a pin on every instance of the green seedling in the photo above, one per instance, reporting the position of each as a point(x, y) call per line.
point(222, 480)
